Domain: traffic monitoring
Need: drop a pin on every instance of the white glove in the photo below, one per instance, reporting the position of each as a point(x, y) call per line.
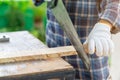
point(99, 40)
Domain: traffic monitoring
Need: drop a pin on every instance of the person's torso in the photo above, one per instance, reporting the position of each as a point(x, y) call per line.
point(83, 14)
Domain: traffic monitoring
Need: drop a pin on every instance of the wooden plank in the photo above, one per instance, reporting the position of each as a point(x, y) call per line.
point(34, 67)
point(23, 46)
point(35, 55)
point(19, 41)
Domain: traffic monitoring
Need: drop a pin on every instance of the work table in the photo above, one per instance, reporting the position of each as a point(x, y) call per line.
point(33, 69)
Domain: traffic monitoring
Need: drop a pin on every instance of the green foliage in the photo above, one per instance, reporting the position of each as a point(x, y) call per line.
point(3, 30)
point(40, 13)
point(39, 33)
point(4, 9)
point(23, 15)
point(15, 19)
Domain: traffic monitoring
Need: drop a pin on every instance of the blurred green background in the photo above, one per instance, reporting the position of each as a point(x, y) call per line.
point(23, 15)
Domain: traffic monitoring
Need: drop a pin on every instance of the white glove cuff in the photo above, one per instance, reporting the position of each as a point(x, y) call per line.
point(102, 26)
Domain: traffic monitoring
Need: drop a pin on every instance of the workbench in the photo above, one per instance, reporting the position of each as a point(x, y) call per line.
point(42, 69)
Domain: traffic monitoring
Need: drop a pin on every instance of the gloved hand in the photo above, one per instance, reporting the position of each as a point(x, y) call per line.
point(99, 40)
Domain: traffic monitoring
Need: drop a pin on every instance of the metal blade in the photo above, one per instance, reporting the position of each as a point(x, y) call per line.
point(63, 19)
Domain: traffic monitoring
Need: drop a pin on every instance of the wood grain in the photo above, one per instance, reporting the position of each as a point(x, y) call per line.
point(33, 67)
point(23, 47)
point(35, 55)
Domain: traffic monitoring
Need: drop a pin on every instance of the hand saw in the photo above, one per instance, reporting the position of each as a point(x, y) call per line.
point(61, 15)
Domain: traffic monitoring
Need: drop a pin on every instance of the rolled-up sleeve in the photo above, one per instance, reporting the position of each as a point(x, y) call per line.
point(111, 13)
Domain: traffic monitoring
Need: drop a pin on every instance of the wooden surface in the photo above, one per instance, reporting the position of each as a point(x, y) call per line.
point(33, 67)
point(20, 42)
point(23, 46)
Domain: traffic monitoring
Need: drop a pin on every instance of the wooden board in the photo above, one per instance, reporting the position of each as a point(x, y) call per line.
point(23, 46)
point(34, 67)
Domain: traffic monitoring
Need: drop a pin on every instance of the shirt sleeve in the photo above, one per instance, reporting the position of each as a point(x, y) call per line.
point(110, 11)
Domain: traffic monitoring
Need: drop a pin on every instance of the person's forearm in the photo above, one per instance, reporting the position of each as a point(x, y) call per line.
point(110, 12)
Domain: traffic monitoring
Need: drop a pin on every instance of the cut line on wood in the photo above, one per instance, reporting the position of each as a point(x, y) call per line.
point(7, 57)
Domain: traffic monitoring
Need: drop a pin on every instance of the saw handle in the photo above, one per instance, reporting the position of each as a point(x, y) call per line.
point(38, 2)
